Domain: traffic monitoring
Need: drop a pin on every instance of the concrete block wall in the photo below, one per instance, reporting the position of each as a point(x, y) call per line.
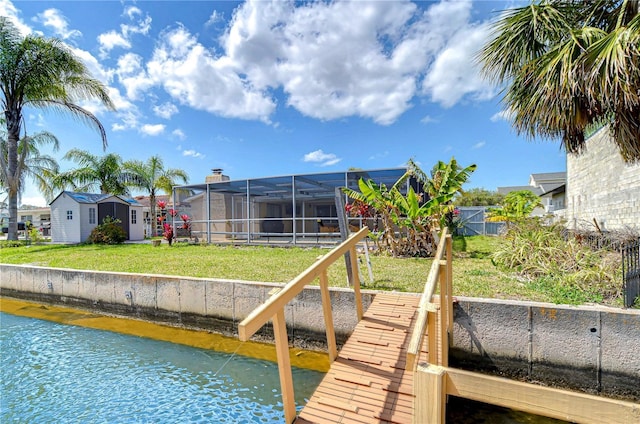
point(594, 349)
point(179, 300)
point(601, 186)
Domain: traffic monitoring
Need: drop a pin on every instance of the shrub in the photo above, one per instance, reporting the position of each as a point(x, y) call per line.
point(109, 232)
point(546, 257)
point(12, 243)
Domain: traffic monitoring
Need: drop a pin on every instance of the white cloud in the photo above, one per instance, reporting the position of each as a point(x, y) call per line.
point(10, 11)
point(428, 120)
point(165, 110)
point(503, 115)
point(192, 153)
point(33, 201)
point(111, 39)
point(152, 130)
point(454, 73)
point(132, 11)
point(321, 158)
point(54, 19)
point(132, 75)
point(192, 75)
point(330, 67)
point(479, 145)
point(122, 38)
point(179, 134)
point(214, 18)
point(379, 155)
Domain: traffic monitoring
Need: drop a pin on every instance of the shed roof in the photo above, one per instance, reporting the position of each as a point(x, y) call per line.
point(93, 198)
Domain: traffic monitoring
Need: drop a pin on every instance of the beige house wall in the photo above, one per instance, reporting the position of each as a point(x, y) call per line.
point(601, 186)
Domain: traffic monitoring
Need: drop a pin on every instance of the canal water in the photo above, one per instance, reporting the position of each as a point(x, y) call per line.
point(53, 372)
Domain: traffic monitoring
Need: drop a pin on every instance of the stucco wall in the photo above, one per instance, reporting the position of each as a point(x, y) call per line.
point(594, 349)
point(601, 186)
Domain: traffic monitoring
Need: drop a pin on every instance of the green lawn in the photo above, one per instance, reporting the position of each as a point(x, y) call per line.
point(474, 274)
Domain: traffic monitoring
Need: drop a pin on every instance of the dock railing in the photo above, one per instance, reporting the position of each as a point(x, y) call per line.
point(439, 336)
point(434, 380)
point(273, 309)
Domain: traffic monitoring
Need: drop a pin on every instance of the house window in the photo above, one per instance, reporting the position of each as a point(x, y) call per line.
point(92, 215)
point(134, 216)
point(69, 215)
point(26, 218)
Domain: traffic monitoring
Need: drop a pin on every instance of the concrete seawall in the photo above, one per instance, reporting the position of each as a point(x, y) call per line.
point(594, 349)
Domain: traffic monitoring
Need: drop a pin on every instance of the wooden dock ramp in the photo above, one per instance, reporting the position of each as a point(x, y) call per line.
point(368, 382)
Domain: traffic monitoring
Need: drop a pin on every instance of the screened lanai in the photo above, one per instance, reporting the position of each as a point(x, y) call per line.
point(293, 209)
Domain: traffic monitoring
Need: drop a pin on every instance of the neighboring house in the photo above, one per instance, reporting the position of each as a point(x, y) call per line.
point(75, 215)
point(38, 217)
point(601, 188)
point(549, 186)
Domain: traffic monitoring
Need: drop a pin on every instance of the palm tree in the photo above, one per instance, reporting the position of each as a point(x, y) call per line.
point(42, 73)
point(31, 162)
point(570, 66)
point(104, 172)
point(151, 176)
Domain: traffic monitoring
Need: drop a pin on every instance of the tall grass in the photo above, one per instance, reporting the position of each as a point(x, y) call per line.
point(546, 259)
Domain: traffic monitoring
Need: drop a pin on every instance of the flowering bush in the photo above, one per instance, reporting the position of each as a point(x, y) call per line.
point(173, 212)
point(186, 221)
point(162, 204)
point(168, 232)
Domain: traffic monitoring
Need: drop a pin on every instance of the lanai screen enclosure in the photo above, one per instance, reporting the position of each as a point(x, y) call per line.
point(296, 209)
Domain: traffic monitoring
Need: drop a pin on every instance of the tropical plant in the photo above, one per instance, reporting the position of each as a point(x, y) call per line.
point(516, 206)
point(41, 73)
point(151, 176)
point(570, 66)
point(415, 216)
point(30, 162)
point(102, 172)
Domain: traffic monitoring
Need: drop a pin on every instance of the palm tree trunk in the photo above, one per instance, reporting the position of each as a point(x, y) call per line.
point(13, 180)
point(154, 218)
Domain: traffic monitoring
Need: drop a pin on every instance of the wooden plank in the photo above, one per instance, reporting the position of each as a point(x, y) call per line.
point(443, 346)
point(264, 312)
point(328, 316)
point(417, 335)
point(338, 404)
point(449, 253)
point(430, 391)
point(369, 371)
point(284, 366)
point(356, 281)
point(546, 401)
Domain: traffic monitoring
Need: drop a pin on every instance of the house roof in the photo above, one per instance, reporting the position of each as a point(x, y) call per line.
point(92, 198)
point(307, 186)
point(551, 187)
point(547, 177)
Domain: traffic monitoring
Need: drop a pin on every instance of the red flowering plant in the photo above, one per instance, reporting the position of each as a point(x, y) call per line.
point(168, 232)
point(162, 204)
point(359, 209)
point(173, 212)
point(186, 223)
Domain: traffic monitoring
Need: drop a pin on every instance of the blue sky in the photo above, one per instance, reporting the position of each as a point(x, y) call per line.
point(263, 88)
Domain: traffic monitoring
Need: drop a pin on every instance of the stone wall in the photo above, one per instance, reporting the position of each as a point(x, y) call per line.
point(601, 186)
point(593, 349)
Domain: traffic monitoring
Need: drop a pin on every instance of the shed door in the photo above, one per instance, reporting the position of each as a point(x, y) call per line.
point(115, 210)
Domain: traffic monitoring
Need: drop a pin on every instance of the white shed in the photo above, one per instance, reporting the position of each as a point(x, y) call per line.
point(75, 215)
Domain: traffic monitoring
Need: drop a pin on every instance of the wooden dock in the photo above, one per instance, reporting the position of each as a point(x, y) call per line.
point(368, 382)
